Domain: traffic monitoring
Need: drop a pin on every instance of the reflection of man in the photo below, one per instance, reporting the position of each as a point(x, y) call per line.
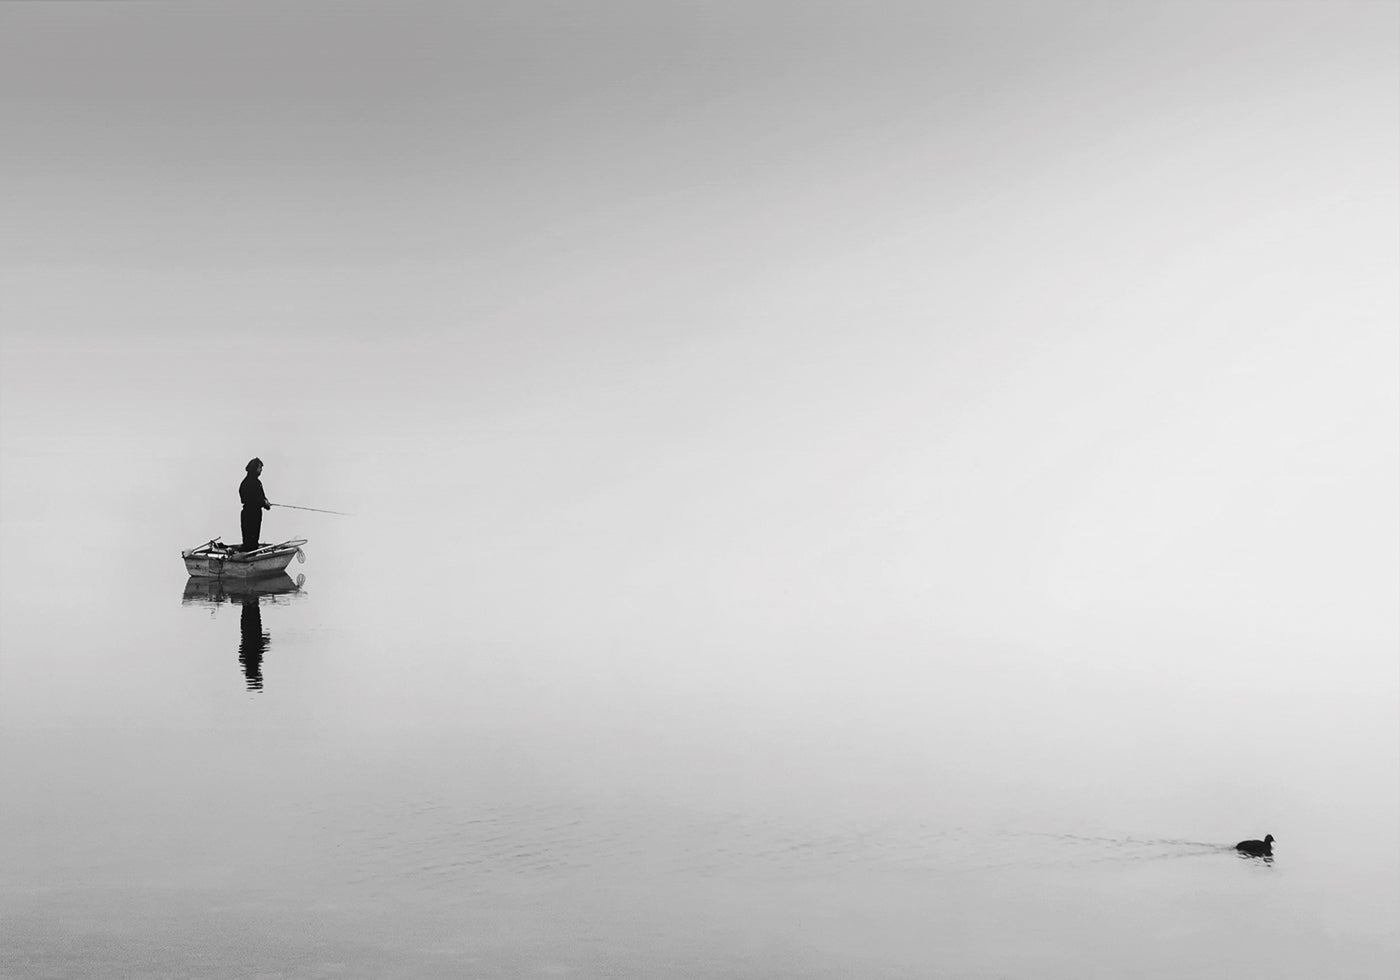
point(254, 642)
point(250, 491)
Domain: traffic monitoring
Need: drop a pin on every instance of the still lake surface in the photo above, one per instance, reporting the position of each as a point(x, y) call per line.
point(504, 730)
point(393, 791)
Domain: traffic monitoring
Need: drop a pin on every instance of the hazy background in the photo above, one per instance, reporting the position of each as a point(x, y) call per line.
point(788, 407)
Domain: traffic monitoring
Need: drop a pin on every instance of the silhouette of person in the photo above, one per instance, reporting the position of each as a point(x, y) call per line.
point(250, 491)
point(253, 642)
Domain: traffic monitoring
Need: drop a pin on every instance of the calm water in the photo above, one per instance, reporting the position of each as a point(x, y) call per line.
point(582, 690)
point(412, 765)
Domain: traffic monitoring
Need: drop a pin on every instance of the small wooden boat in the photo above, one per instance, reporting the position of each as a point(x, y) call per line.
point(218, 560)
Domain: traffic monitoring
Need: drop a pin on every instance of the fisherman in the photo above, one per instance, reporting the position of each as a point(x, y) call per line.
point(250, 491)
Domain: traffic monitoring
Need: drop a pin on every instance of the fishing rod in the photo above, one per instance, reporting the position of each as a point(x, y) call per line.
point(316, 509)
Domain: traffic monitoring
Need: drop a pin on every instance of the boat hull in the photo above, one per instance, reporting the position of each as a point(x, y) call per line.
point(216, 560)
point(228, 568)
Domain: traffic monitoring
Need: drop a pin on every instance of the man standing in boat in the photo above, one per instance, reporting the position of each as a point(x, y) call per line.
point(250, 491)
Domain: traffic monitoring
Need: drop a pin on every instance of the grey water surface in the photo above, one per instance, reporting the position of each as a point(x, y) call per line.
point(427, 761)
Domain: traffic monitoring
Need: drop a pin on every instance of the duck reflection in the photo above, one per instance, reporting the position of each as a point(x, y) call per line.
point(251, 596)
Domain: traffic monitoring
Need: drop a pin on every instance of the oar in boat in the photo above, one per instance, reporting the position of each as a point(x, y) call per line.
point(269, 548)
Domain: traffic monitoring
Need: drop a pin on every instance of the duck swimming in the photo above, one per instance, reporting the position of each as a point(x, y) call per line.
point(1257, 848)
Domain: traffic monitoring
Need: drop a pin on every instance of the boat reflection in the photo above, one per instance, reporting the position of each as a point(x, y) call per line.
point(212, 591)
point(251, 595)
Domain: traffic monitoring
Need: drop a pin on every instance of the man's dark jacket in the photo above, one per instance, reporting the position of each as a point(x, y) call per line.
point(250, 491)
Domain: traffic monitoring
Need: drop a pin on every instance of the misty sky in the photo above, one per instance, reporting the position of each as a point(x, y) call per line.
point(1031, 312)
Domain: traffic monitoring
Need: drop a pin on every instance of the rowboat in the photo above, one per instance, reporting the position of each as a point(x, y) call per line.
point(214, 559)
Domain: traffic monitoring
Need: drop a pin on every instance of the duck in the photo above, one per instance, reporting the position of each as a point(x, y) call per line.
point(1257, 848)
